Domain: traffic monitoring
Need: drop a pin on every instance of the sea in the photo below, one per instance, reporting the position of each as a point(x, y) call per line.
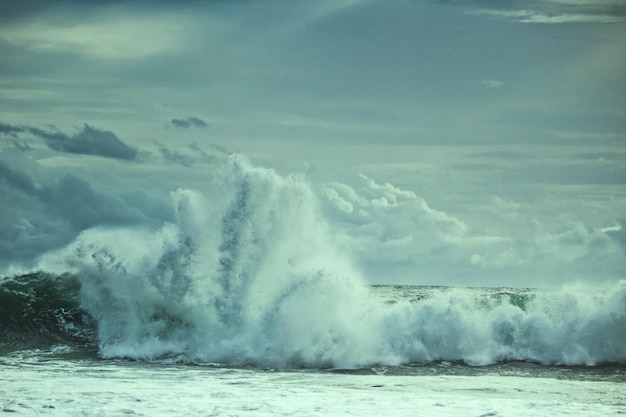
point(245, 305)
point(431, 351)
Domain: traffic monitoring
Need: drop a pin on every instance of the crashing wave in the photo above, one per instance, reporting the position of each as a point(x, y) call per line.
point(250, 275)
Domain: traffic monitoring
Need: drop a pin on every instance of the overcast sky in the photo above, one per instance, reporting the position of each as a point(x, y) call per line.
point(449, 142)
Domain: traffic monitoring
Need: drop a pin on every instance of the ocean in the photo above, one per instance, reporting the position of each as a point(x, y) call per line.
point(244, 305)
point(433, 351)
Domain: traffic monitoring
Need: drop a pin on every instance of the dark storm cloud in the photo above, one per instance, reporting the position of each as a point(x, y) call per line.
point(88, 208)
point(188, 122)
point(43, 209)
point(16, 179)
point(10, 130)
point(89, 141)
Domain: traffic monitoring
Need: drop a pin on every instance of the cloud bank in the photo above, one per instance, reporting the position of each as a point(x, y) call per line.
point(44, 208)
point(396, 235)
point(492, 145)
point(89, 141)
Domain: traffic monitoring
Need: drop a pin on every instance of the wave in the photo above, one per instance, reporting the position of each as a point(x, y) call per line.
point(39, 310)
point(481, 326)
point(249, 274)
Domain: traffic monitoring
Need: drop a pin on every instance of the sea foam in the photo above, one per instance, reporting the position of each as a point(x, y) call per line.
point(248, 273)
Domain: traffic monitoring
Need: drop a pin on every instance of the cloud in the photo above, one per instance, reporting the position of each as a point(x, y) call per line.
point(617, 232)
point(16, 179)
point(532, 16)
point(566, 245)
point(86, 32)
point(548, 11)
point(21, 146)
point(44, 208)
point(205, 156)
point(173, 156)
point(10, 130)
point(89, 141)
point(188, 122)
point(492, 83)
point(396, 236)
point(389, 228)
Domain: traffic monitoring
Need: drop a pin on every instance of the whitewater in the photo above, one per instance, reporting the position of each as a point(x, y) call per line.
point(245, 304)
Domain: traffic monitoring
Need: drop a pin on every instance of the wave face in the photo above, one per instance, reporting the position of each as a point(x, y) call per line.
point(40, 310)
point(250, 275)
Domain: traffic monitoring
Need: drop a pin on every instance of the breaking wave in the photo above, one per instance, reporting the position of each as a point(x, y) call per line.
point(249, 274)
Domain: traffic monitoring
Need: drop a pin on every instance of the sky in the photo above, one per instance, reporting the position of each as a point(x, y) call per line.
point(473, 143)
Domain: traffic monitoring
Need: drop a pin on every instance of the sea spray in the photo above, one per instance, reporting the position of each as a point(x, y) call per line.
point(482, 326)
point(249, 276)
point(248, 273)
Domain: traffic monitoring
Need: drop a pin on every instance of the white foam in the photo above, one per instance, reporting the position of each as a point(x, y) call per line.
point(249, 273)
point(113, 389)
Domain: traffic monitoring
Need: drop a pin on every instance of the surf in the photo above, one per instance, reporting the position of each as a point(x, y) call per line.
point(250, 273)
